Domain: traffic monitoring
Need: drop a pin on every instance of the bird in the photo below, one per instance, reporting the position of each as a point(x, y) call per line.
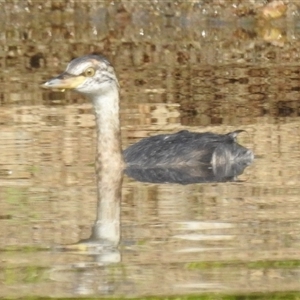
point(94, 77)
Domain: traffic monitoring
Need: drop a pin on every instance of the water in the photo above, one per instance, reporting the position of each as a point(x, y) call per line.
point(181, 65)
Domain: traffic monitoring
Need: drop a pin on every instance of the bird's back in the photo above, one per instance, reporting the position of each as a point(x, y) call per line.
point(186, 148)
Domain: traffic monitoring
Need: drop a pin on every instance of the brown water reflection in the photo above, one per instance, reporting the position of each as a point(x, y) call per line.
point(182, 65)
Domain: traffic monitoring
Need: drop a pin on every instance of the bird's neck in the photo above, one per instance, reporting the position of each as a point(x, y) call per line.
point(106, 105)
point(109, 165)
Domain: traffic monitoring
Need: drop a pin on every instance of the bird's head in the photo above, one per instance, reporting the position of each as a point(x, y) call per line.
point(89, 75)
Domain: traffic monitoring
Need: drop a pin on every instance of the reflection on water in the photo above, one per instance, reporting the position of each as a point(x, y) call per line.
point(197, 66)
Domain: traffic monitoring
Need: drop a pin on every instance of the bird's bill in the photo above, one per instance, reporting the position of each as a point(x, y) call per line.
point(64, 81)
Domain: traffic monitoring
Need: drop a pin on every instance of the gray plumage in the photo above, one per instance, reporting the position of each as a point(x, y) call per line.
point(186, 148)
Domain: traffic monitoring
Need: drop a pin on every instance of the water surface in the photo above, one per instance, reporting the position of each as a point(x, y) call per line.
point(181, 65)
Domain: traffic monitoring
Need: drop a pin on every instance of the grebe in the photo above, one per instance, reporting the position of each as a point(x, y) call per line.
point(94, 76)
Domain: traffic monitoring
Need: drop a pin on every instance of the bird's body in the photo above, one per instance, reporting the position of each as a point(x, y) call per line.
point(184, 148)
point(94, 77)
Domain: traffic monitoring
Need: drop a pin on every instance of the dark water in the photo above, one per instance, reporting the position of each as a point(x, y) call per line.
point(182, 65)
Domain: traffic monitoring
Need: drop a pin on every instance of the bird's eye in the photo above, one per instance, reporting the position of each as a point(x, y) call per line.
point(89, 72)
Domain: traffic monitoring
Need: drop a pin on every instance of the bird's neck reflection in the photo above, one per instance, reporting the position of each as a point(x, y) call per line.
point(109, 185)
